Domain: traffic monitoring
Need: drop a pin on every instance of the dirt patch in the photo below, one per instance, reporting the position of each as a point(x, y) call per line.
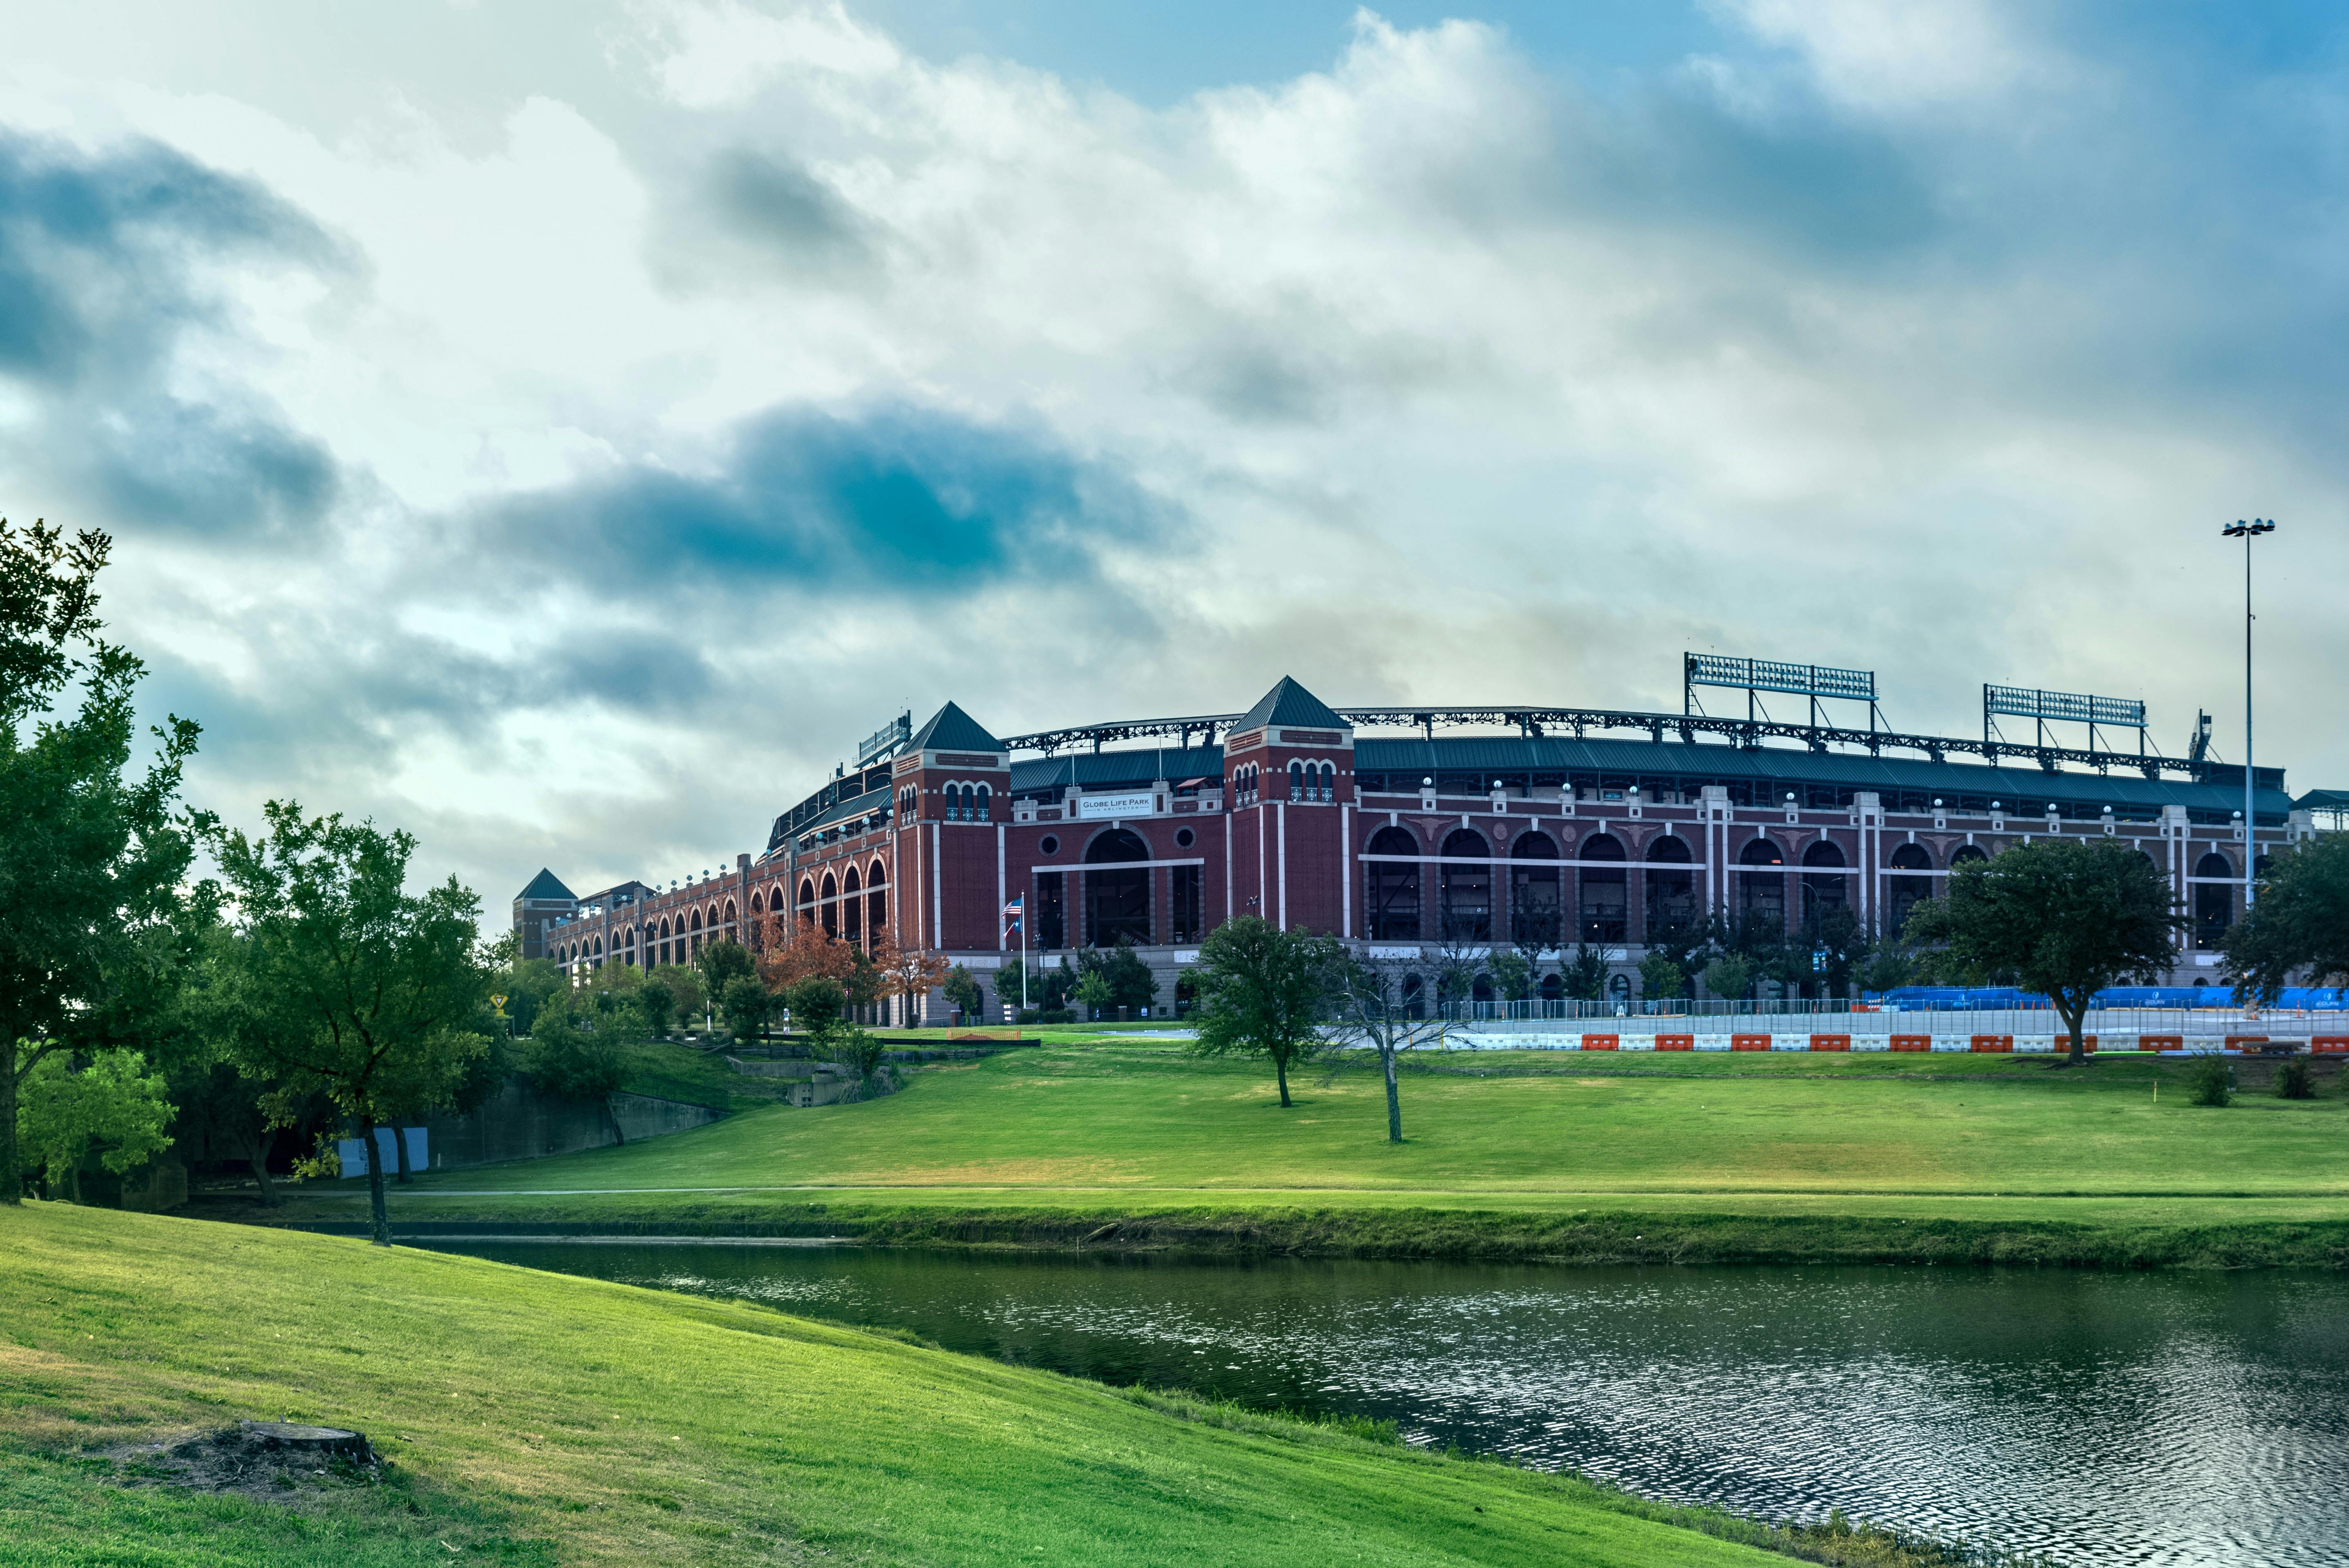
point(266, 1460)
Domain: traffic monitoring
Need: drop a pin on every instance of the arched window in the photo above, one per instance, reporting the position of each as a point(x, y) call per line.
point(1536, 918)
point(984, 811)
point(1328, 781)
point(1481, 988)
point(876, 897)
point(830, 912)
point(1117, 902)
point(852, 908)
point(1552, 988)
point(1671, 896)
point(1390, 888)
point(696, 920)
point(1296, 781)
point(1762, 895)
point(1964, 853)
point(1605, 892)
point(734, 920)
point(1465, 891)
point(1906, 892)
point(1821, 890)
point(2214, 901)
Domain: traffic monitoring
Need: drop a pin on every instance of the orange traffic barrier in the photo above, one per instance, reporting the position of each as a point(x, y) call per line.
point(1830, 1042)
point(2161, 1042)
point(2239, 1042)
point(1993, 1043)
point(1601, 1042)
point(1675, 1042)
point(1749, 1042)
point(2329, 1045)
point(1912, 1042)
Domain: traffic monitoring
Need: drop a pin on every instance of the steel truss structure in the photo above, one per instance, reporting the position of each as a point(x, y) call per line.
point(1579, 722)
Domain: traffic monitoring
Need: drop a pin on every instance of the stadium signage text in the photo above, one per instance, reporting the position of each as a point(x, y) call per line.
point(1095, 808)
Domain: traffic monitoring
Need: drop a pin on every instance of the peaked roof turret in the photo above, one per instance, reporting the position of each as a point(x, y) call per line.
point(951, 730)
point(1288, 703)
point(546, 884)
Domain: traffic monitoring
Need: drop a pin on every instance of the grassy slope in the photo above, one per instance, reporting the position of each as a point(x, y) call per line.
point(538, 1419)
point(1767, 1156)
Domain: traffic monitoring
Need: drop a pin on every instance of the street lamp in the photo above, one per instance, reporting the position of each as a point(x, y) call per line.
point(2247, 532)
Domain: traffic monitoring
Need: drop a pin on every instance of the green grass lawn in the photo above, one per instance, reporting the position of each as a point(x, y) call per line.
point(1130, 1128)
point(537, 1418)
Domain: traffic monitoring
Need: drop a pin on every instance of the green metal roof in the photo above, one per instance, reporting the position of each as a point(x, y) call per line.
point(951, 730)
point(1288, 703)
point(1648, 758)
point(546, 885)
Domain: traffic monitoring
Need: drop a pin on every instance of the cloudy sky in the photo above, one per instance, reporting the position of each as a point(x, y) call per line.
point(564, 430)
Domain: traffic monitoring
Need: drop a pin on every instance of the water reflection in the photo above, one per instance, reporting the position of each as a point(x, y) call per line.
point(2093, 1418)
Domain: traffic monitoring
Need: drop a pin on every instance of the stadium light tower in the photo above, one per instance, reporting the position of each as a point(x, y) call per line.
point(2247, 532)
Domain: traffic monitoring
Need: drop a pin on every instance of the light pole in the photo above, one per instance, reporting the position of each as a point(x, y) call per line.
point(2247, 532)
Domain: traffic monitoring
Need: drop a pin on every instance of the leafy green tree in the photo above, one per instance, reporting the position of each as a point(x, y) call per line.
point(2063, 917)
point(745, 1004)
point(580, 1048)
point(961, 990)
point(1660, 978)
point(1264, 991)
point(720, 962)
point(358, 990)
point(1131, 984)
point(1729, 977)
point(526, 984)
point(1093, 992)
point(2298, 923)
point(113, 1104)
point(683, 983)
point(1512, 973)
point(816, 1003)
point(97, 920)
point(1836, 931)
point(659, 1005)
point(1585, 976)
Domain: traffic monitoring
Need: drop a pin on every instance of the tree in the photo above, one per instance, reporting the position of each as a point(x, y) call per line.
point(744, 1003)
point(683, 983)
point(95, 919)
point(1369, 1007)
point(660, 1003)
point(962, 991)
point(579, 1049)
point(1512, 973)
point(1729, 977)
point(2063, 917)
point(1263, 990)
point(526, 984)
point(2298, 924)
point(720, 962)
point(908, 972)
point(1093, 992)
point(361, 991)
point(815, 1002)
point(1586, 977)
point(113, 1104)
point(1660, 977)
point(1131, 983)
point(791, 951)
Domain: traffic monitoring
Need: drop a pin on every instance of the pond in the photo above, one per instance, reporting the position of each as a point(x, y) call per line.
point(2093, 1418)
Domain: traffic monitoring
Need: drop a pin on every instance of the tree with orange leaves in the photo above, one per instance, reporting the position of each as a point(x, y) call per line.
point(907, 972)
point(791, 953)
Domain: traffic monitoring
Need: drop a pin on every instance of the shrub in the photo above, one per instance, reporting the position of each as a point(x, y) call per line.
point(2210, 1080)
point(2296, 1078)
point(1031, 1015)
point(1056, 1015)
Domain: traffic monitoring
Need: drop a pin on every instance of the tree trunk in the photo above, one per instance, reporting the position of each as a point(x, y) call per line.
point(2074, 1021)
point(1280, 1071)
point(1394, 1100)
point(256, 1148)
point(12, 1185)
point(375, 1182)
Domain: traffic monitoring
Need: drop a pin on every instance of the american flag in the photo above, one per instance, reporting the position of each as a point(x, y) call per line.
point(1011, 913)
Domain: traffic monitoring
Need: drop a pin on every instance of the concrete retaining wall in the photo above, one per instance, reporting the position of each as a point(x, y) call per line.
point(521, 1123)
